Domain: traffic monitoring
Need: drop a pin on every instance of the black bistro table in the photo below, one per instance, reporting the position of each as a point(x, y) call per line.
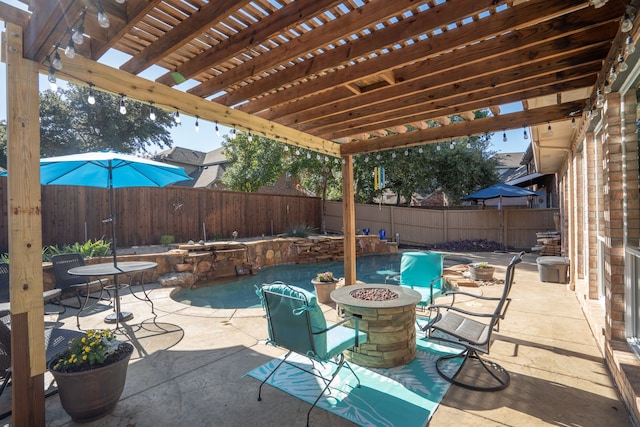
point(115, 270)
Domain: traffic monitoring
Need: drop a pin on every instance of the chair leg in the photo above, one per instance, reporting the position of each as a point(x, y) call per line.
point(272, 372)
point(340, 363)
point(501, 377)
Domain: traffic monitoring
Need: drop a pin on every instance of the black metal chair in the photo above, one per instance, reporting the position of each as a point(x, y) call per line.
point(465, 328)
point(296, 322)
point(50, 296)
point(55, 341)
point(83, 288)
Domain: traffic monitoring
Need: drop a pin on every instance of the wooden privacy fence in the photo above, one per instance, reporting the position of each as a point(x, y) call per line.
point(73, 214)
point(515, 228)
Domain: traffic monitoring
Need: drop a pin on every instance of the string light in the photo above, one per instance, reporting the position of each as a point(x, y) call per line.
point(91, 99)
point(78, 34)
point(123, 107)
point(70, 51)
point(217, 129)
point(152, 112)
point(629, 46)
point(549, 131)
point(103, 18)
point(573, 122)
point(504, 136)
point(286, 148)
point(622, 66)
point(250, 136)
point(176, 117)
point(52, 79)
point(393, 155)
point(406, 152)
point(233, 132)
point(121, 1)
point(526, 135)
point(599, 98)
point(420, 150)
point(57, 62)
point(437, 147)
point(197, 126)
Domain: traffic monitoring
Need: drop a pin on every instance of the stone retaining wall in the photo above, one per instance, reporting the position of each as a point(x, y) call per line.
point(192, 265)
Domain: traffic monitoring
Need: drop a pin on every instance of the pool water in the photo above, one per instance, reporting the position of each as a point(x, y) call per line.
point(241, 292)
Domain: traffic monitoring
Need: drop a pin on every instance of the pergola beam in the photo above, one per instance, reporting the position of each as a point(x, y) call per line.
point(82, 71)
point(463, 129)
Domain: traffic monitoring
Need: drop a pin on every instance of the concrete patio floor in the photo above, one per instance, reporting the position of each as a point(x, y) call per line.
point(188, 370)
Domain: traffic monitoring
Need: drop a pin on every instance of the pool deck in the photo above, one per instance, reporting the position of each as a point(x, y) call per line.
point(188, 370)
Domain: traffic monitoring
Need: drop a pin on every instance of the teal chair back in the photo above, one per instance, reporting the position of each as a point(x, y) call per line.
point(419, 269)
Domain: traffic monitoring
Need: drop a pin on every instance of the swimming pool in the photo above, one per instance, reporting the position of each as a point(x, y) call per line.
point(240, 292)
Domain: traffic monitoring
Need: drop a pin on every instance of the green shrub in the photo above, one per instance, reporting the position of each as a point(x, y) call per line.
point(166, 239)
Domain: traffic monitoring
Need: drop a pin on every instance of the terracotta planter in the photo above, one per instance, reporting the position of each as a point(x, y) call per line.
point(323, 290)
point(481, 273)
point(90, 395)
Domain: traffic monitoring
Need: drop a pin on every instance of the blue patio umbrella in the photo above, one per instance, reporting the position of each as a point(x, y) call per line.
point(110, 170)
point(499, 190)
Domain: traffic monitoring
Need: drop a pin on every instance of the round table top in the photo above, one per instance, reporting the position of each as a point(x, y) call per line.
point(406, 296)
point(108, 269)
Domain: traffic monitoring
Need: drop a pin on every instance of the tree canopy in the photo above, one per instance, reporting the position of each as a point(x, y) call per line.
point(69, 124)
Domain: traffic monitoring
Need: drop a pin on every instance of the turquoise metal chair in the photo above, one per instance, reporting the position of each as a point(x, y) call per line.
point(422, 272)
point(296, 322)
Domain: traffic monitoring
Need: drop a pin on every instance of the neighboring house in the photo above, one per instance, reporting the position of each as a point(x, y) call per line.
point(207, 169)
point(509, 165)
point(543, 184)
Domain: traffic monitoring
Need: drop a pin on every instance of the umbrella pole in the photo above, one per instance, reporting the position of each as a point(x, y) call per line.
point(113, 224)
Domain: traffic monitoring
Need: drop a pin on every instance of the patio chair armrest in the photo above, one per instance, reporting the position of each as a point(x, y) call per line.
point(341, 322)
point(469, 294)
point(460, 310)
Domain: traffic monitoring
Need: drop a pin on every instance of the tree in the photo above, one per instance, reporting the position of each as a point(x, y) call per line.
point(255, 161)
point(69, 124)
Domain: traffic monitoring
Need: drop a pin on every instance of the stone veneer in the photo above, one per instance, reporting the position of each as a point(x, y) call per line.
point(192, 265)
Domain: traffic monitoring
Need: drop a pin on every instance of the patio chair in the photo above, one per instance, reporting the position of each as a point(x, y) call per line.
point(464, 327)
point(55, 341)
point(422, 272)
point(52, 295)
point(296, 322)
point(81, 285)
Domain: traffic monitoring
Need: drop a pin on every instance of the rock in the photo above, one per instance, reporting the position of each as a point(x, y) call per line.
point(183, 280)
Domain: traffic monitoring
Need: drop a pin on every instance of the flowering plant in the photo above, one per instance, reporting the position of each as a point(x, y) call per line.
point(481, 265)
point(327, 276)
point(87, 351)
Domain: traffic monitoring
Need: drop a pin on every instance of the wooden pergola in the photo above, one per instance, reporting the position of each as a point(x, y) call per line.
point(338, 77)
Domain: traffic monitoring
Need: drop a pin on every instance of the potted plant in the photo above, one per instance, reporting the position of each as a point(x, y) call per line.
point(91, 374)
point(481, 271)
point(324, 284)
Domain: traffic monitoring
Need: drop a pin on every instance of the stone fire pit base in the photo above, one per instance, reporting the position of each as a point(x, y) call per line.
point(390, 325)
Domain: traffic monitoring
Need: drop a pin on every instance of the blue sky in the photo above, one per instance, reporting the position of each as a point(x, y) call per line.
point(206, 139)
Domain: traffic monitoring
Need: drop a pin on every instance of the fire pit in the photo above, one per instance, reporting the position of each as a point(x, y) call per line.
point(387, 314)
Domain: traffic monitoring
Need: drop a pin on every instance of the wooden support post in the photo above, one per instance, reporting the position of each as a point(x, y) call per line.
point(25, 233)
point(348, 221)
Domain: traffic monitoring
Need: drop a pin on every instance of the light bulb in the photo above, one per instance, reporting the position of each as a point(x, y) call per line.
point(70, 51)
point(468, 145)
point(452, 146)
point(420, 150)
point(607, 87)
point(197, 126)
point(297, 152)
point(438, 147)
point(378, 157)
point(613, 75)
point(526, 135)
point(549, 131)
point(152, 113)
point(91, 99)
point(406, 152)
point(622, 66)
point(630, 47)
point(233, 133)
point(599, 99)
point(78, 35)
point(308, 155)
point(366, 159)
point(120, 1)
point(393, 155)
point(573, 122)
point(52, 79)
point(123, 108)
point(319, 157)
point(176, 117)
point(504, 136)
point(217, 129)
point(103, 20)
point(286, 148)
point(251, 139)
point(57, 62)
point(627, 24)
